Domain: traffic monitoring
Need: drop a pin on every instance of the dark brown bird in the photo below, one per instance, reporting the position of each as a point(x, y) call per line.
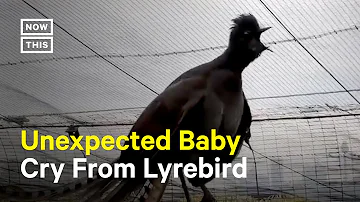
point(209, 96)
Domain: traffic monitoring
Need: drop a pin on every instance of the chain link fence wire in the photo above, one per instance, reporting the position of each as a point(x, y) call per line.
point(105, 69)
point(310, 157)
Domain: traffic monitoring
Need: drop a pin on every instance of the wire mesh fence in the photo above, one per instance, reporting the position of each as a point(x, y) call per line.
point(313, 157)
point(304, 97)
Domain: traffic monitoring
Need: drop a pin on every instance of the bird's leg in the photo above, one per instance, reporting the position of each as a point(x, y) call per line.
point(208, 197)
point(183, 183)
point(156, 192)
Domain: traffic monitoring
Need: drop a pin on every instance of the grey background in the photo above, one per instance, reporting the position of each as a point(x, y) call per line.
point(101, 46)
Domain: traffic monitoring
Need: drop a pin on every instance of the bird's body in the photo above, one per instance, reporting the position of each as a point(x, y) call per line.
point(209, 96)
point(220, 108)
point(211, 108)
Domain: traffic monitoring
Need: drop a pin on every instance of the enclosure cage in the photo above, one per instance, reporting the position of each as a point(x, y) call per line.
point(112, 58)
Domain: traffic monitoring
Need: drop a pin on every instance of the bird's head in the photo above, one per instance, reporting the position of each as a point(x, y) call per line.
point(245, 37)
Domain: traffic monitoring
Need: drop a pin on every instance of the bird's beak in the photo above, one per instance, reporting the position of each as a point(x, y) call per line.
point(261, 31)
point(264, 29)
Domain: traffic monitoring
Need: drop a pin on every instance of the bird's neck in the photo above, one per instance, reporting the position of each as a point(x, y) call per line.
point(234, 60)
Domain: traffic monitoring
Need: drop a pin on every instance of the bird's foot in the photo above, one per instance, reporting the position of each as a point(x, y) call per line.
point(208, 197)
point(155, 191)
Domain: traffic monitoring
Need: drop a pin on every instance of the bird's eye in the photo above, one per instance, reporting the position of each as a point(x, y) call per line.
point(247, 34)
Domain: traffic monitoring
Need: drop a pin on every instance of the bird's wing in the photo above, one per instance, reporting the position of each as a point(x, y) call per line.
point(247, 121)
point(244, 126)
point(166, 111)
